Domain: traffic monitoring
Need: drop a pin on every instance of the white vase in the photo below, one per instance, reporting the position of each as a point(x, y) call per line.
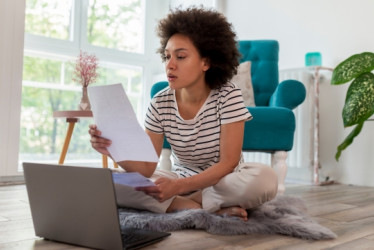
point(85, 102)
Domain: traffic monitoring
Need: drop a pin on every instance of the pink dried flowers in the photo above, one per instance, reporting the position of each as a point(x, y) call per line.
point(85, 71)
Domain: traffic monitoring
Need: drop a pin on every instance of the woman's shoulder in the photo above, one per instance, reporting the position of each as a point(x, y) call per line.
point(227, 89)
point(163, 99)
point(164, 94)
point(229, 86)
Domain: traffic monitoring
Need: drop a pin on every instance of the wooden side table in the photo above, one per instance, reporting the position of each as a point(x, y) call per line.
point(72, 117)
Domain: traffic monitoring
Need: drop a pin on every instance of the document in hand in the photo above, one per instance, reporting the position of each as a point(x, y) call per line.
point(116, 119)
point(132, 179)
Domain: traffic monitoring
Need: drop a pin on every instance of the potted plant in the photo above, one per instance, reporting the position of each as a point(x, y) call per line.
point(359, 101)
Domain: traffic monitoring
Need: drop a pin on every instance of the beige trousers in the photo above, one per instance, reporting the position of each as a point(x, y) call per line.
point(248, 186)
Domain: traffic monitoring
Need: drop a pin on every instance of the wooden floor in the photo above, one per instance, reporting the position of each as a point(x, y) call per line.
point(346, 210)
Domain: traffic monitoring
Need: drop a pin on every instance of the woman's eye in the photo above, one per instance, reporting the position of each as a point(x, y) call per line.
point(168, 57)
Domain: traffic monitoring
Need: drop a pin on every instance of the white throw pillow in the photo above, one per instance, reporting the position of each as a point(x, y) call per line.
point(244, 81)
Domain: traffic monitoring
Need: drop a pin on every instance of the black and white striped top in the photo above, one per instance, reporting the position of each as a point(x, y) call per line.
point(195, 143)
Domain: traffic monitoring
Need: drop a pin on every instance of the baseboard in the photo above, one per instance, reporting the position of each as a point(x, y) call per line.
point(12, 180)
point(299, 175)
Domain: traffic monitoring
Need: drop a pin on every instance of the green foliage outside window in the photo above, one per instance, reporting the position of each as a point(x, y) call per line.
point(115, 24)
point(50, 18)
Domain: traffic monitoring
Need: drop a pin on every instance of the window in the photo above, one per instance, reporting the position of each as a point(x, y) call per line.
point(55, 32)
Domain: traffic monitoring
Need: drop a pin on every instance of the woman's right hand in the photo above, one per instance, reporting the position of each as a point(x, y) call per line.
point(99, 143)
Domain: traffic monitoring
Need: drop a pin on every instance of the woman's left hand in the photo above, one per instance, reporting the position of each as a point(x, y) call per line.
point(165, 189)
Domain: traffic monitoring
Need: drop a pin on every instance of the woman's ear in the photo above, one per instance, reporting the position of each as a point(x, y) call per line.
point(206, 64)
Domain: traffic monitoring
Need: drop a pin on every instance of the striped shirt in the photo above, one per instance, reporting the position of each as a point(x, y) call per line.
point(195, 143)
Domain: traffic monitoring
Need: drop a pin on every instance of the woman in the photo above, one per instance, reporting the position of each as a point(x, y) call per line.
point(202, 116)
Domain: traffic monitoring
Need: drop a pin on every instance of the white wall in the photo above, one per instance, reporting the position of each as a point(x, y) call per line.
point(337, 29)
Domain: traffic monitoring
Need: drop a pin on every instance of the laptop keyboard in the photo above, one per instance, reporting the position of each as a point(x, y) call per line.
point(135, 238)
point(131, 237)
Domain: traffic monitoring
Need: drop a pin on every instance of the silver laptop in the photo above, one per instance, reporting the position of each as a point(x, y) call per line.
point(77, 205)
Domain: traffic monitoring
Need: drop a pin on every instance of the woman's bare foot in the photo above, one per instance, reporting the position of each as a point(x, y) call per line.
point(234, 211)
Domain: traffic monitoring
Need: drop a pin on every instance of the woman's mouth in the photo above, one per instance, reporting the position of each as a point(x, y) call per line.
point(171, 77)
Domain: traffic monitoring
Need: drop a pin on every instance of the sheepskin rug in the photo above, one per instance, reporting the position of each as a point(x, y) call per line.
point(284, 215)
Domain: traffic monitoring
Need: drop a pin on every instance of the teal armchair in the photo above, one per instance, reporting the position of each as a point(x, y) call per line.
point(273, 125)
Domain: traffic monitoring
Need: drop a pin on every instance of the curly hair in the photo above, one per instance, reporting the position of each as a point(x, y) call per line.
point(211, 34)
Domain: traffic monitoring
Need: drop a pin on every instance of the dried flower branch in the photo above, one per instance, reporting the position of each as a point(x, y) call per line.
point(85, 69)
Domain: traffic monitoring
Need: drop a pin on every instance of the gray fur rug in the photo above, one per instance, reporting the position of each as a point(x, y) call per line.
point(284, 215)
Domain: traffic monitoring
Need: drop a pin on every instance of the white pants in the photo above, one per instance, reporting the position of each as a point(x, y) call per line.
point(248, 186)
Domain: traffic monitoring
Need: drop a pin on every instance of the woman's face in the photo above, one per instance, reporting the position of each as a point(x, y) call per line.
point(183, 64)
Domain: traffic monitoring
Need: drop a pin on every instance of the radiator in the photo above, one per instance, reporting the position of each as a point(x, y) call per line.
point(304, 153)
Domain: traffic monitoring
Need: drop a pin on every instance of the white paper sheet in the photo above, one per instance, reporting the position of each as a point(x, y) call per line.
point(132, 179)
point(116, 119)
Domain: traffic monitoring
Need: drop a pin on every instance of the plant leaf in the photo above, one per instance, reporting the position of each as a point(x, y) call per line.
point(359, 102)
point(348, 140)
point(353, 67)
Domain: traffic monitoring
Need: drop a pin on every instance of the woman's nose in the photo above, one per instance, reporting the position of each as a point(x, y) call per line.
point(170, 64)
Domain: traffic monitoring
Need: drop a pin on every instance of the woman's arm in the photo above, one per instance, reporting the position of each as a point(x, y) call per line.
point(230, 152)
point(101, 144)
point(145, 168)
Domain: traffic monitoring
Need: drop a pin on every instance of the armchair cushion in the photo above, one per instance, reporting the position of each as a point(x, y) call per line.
point(271, 129)
point(288, 94)
point(243, 80)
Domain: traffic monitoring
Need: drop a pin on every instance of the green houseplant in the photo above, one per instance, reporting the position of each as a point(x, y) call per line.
point(359, 101)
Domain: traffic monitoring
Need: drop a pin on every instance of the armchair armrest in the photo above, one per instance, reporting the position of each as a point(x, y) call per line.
point(158, 86)
point(289, 94)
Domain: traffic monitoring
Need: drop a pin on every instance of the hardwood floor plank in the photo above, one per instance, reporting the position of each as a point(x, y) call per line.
point(318, 210)
point(17, 235)
point(359, 244)
point(12, 225)
point(352, 214)
point(370, 237)
point(276, 243)
point(346, 232)
point(16, 214)
point(38, 244)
